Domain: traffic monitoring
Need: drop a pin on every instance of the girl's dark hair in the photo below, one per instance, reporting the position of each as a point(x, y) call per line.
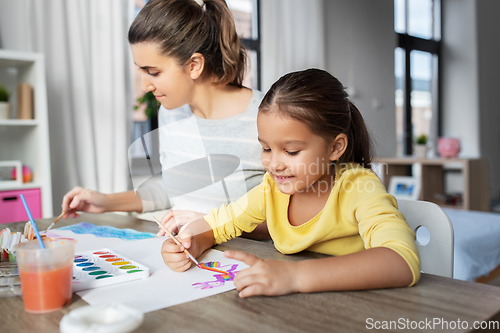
point(318, 99)
point(183, 27)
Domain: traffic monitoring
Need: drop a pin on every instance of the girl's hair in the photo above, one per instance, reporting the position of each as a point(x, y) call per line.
point(318, 99)
point(183, 27)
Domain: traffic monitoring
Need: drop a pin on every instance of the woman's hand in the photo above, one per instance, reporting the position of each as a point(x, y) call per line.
point(264, 277)
point(174, 220)
point(83, 200)
point(173, 254)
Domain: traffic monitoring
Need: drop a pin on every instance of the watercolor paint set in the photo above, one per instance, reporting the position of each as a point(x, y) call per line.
point(92, 269)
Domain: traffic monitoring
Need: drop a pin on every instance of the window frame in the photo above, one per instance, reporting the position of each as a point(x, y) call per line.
point(410, 43)
point(253, 44)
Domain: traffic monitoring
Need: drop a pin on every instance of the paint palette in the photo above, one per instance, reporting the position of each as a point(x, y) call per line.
point(104, 267)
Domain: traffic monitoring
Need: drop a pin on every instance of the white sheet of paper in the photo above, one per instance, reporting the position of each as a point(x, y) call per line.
point(165, 287)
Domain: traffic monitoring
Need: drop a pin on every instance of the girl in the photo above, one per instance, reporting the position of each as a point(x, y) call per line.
point(319, 194)
point(190, 57)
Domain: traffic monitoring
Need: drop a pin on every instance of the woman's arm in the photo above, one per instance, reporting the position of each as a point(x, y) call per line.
point(80, 199)
point(369, 269)
point(124, 202)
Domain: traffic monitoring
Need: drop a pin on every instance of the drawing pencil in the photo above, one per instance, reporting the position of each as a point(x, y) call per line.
point(176, 240)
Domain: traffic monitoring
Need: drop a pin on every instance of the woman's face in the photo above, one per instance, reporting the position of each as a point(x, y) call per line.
point(297, 159)
point(170, 82)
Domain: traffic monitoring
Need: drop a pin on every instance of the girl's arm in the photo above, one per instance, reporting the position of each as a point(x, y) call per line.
point(220, 225)
point(370, 269)
point(373, 268)
point(196, 237)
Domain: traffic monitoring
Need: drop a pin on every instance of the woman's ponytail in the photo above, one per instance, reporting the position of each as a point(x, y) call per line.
point(233, 54)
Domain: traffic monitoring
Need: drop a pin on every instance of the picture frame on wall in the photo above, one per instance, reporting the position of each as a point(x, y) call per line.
point(404, 187)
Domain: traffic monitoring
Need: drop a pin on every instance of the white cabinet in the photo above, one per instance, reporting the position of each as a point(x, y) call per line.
point(27, 140)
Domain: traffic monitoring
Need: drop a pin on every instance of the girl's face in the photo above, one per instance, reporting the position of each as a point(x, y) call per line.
point(297, 159)
point(170, 82)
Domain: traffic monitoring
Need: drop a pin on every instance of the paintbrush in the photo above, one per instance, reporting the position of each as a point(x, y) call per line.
point(53, 223)
point(176, 240)
point(62, 214)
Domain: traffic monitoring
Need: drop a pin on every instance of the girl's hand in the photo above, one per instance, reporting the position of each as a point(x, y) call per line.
point(173, 254)
point(264, 277)
point(83, 200)
point(174, 220)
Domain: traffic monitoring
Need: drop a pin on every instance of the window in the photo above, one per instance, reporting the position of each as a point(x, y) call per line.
point(141, 123)
point(246, 16)
point(418, 27)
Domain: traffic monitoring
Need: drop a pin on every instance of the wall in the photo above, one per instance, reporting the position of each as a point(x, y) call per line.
point(460, 96)
point(470, 83)
point(292, 37)
point(488, 27)
point(360, 43)
point(11, 20)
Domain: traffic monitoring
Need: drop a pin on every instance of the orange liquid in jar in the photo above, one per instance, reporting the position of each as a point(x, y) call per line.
point(46, 290)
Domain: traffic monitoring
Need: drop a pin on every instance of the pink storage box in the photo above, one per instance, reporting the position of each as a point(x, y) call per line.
point(12, 208)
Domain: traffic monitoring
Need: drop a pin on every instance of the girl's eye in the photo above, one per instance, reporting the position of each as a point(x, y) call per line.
point(153, 74)
point(292, 153)
point(266, 150)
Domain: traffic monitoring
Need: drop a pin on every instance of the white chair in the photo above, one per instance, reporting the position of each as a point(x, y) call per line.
point(436, 248)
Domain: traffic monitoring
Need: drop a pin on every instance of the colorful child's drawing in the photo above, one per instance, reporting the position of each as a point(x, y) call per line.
point(220, 278)
point(107, 231)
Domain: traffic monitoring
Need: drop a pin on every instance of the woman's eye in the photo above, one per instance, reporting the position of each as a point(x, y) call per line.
point(153, 74)
point(292, 153)
point(266, 150)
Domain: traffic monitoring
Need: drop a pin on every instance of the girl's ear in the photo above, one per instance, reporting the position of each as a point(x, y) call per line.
point(339, 145)
point(196, 65)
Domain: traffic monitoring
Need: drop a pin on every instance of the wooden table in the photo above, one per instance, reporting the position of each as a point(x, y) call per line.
point(431, 299)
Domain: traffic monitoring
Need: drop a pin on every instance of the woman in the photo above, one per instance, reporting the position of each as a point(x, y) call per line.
point(191, 59)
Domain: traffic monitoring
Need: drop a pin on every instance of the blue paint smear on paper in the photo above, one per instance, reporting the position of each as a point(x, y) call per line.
point(107, 231)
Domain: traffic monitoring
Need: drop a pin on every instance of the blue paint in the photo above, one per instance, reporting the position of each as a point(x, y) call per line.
point(93, 268)
point(84, 264)
point(107, 231)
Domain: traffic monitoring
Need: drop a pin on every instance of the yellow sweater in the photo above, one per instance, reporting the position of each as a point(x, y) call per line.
point(359, 214)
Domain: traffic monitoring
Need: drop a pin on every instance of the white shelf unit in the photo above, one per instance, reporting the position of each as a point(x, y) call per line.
point(27, 140)
point(18, 122)
point(472, 171)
